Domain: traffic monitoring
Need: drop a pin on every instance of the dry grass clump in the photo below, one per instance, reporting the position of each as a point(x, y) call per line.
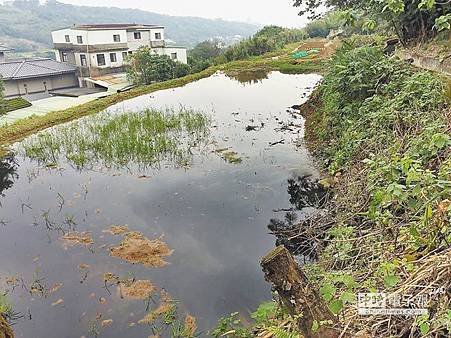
point(117, 230)
point(136, 290)
point(77, 238)
point(137, 249)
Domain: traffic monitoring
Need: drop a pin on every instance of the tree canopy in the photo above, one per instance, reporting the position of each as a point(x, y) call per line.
point(409, 19)
point(145, 67)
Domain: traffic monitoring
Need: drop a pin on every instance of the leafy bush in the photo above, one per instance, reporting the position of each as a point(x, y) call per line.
point(145, 67)
point(181, 70)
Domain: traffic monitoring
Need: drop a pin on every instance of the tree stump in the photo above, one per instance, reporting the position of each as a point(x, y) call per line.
point(5, 329)
point(298, 294)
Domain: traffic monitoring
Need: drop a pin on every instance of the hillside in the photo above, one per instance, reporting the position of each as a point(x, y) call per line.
point(28, 27)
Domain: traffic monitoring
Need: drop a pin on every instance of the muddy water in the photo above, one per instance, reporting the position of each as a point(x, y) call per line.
point(214, 215)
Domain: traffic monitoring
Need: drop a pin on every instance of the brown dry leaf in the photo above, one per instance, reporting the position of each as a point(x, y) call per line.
point(190, 326)
point(444, 205)
point(117, 230)
point(77, 238)
point(102, 300)
point(58, 302)
point(137, 249)
point(140, 289)
point(106, 322)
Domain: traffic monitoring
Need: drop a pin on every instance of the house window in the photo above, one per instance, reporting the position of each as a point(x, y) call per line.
point(130, 53)
point(124, 55)
point(113, 57)
point(64, 57)
point(101, 60)
point(117, 38)
point(158, 36)
point(79, 39)
point(83, 60)
point(67, 37)
point(137, 35)
point(174, 56)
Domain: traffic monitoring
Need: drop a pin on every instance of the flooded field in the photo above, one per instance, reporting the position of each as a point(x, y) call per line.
point(127, 239)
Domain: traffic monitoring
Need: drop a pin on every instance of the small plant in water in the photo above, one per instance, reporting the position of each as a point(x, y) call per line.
point(145, 139)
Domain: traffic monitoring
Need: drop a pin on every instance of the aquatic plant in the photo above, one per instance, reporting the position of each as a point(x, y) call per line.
point(145, 139)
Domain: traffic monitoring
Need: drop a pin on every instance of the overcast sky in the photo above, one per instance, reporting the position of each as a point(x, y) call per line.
point(278, 12)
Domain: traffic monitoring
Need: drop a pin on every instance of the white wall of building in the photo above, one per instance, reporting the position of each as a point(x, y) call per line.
point(98, 37)
point(176, 53)
point(134, 44)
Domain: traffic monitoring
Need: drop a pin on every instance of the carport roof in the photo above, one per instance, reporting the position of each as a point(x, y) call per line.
point(32, 68)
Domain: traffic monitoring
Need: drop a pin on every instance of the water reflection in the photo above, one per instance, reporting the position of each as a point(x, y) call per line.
point(305, 193)
point(8, 173)
point(250, 77)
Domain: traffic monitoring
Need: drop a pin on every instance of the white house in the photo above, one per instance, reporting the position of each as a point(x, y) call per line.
point(102, 49)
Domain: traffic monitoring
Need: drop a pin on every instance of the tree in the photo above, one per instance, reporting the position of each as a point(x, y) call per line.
point(409, 19)
point(2, 99)
point(145, 67)
point(181, 70)
point(203, 55)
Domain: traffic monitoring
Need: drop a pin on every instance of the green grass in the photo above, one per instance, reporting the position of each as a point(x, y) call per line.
point(16, 103)
point(144, 139)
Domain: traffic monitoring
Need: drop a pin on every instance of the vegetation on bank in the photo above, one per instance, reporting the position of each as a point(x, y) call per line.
point(268, 39)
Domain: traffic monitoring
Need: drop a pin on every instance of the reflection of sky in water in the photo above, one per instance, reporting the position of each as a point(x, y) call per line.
point(213, 215)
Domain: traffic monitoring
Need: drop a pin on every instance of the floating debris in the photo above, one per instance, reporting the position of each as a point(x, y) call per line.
point(58, 302)
point(190, 326)
point(117, 230)
point(229, 156)
point(137, 249)
point(135, 290)
point(83, 266)
point(77, 238)
point(106, 322)
point(55, 287)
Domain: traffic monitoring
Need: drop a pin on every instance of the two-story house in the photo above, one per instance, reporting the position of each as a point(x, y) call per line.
point(102, 49)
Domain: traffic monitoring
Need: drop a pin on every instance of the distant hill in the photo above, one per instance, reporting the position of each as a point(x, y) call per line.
point(26, 25)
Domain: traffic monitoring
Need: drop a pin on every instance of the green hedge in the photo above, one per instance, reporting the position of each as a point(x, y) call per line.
point(16, 103)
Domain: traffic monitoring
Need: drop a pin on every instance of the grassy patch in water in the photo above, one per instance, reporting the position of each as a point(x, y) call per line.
point(144, 139)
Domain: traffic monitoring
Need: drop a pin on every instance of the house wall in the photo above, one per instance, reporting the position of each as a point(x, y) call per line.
point(134, 44)
point(36, 85)
point(99, 37)
point(180, 51)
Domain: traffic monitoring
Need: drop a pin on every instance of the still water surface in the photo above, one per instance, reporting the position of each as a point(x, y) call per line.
point(214, 215)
